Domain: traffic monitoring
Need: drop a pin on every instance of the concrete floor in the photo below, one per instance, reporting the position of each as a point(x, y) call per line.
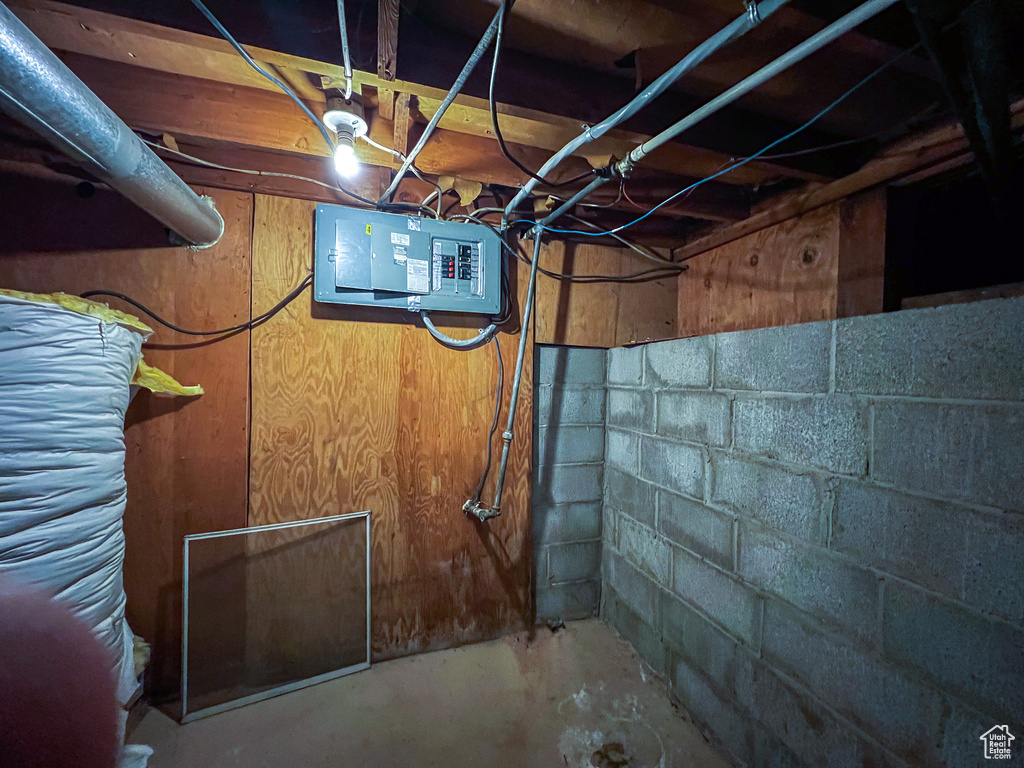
point(576, 697)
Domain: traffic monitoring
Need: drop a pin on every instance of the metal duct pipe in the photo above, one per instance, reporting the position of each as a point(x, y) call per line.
point(37, 90)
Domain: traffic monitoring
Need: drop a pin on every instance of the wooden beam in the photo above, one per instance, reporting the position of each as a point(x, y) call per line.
point(938, 150)
point(139, 44)
point(387, 38)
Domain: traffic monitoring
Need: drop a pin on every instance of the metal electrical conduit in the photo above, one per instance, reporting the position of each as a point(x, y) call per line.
point(797, 53)
point(752, 18)
point(756, 13)
point(39, 91)
point(801, 51)
point(467, 69)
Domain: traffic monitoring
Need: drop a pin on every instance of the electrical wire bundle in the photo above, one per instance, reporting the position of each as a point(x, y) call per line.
point(663, 267)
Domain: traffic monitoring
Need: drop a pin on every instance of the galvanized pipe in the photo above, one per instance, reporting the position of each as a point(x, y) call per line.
point(39, 91)
point(755, 14)
point(509, 433)
point(797, 53)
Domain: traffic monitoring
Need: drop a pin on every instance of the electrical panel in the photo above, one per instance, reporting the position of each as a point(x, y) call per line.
point(409, 262)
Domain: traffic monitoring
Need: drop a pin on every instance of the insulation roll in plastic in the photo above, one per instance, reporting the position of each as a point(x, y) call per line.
point(64, 388)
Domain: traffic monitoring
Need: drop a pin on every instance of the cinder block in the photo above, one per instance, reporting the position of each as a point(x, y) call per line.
point(691, 635)
point(571, 366)
point(559, 444)
point(806, 727)
point(563, 483)
point(609, 525)
point(626, 366)
point(574, 562)
point(969, 351)
point(785, 500)
point(622, 450)
point(636, 590)
point(700, 529)
point(680, 363)
point(813, 579)
point(631, 409)
point(631, 495)
point(732, 605)
point(579, 600)
point(561, 405)
point(540, 564)
point(958, 551)
point(771, 752)
point(974, 453)
point(563, 523)
point(791, 358)
point(640, 634)
point(994, 580)
point(721, 719)
point(979, 659)
point(900, 713)
point(829, 432)
point(961, 744)
point(672, 465)
point(645, 549)
point(700, 417)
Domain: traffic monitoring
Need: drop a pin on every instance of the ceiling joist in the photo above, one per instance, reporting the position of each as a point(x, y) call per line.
point(152, 47)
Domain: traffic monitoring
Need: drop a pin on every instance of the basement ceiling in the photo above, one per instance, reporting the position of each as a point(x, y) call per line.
point(582, 59)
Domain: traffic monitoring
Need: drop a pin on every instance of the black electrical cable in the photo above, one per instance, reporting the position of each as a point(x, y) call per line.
point(644, 276)
point(294, 97)
point(506, 8)
point(258, 320)
point(494, 423)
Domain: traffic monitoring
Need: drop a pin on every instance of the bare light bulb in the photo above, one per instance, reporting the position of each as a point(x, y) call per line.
point(345, 161)
point(345, 118)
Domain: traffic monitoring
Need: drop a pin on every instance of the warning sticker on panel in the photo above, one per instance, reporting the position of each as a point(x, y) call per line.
point(399, 238)
point(401, 252)
point(417, 276)
point(414, 223)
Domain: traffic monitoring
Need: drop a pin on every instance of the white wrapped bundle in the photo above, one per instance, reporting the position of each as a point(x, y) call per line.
point(64, 389)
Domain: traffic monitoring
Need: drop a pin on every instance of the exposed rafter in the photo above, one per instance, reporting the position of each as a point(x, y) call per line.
point(142, 45)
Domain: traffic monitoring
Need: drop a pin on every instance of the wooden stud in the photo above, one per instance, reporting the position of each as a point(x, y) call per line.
point(403, 125)
point(386, 103)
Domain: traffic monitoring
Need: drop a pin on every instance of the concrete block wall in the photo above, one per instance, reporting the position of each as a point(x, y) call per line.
point(568, 440)
point(816, 533)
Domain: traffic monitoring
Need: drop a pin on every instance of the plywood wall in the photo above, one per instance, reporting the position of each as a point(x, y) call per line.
point(353, 410)
point(349, 411)
point(601, 314)
point(828, 263)
point(186, 458)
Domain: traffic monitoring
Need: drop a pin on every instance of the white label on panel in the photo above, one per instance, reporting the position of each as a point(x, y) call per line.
point(398, 238)
point(417, 276)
